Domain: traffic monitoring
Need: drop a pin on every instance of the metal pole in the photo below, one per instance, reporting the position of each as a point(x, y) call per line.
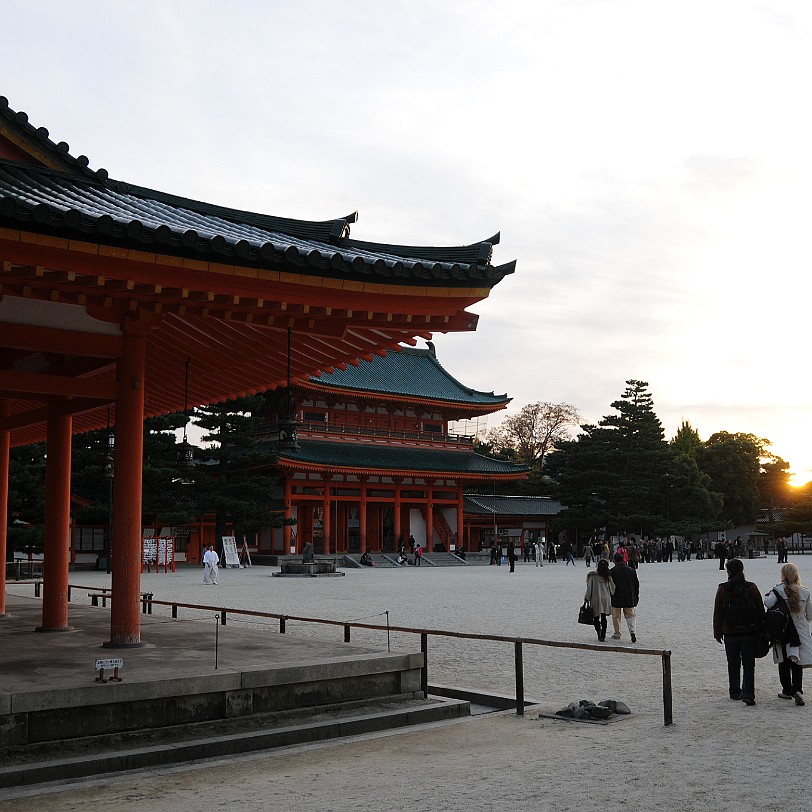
point(216, 638)
point(388, 647)
point(517, 646)
point(668, 716)
point(424, 673)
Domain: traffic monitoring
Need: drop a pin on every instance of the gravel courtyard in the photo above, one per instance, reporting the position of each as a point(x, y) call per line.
point(718, 754)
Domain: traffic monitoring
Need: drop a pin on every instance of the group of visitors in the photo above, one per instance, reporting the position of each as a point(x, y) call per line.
point(738, 623)
point(613, 591)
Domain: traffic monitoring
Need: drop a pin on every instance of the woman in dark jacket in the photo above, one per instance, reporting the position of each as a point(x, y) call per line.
point(737, 616)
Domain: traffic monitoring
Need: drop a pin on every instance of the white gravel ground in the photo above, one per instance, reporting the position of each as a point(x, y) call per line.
point(718, 754)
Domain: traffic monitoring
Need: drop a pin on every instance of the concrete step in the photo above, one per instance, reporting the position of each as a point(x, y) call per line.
point(98, 755)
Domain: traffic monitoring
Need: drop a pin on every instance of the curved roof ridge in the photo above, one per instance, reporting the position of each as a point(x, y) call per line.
point(39, 138)
point(62, 195)
point(423, 377)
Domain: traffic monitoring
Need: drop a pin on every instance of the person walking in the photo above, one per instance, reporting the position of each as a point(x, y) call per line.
point(625, 597)
point(781, 549)
point(797, 652)
point(539, 552)
point(211, 565)
point(511, 554)
point(738, 613)
point(599, 590)
point(589, 553)
point(418, 554)
point(721, 553)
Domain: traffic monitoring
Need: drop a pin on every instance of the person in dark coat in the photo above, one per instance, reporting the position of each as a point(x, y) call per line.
point(626, 597)
point(721, 553)
point(511, 554)
point(736, 622)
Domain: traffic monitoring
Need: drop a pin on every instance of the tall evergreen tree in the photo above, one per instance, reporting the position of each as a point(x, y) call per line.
point(26, 498)
point(239, 487)
point(614, 473)
point(733, 462)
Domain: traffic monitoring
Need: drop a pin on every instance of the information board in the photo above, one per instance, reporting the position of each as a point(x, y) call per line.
point(230, 552)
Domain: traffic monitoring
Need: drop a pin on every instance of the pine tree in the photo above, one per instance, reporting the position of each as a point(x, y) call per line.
point(239, 485)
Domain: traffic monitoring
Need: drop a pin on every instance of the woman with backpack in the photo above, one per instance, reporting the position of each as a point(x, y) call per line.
point(797, 650)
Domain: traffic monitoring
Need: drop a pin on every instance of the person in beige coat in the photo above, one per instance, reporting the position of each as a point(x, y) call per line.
point(789, 657)
point(599, 590)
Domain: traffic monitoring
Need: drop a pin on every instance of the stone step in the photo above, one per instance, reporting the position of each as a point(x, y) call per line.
point(98, 755)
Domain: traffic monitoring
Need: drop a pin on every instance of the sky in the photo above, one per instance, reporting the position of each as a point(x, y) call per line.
point(647, 163)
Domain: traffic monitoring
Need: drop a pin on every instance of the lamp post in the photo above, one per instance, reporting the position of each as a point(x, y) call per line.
point(108, 471)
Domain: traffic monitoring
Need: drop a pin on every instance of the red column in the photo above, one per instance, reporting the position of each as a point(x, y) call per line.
point(325, 518)
point(5, 441)
point(125, 559)
point(397, 523)
point(460, 537)
point(57, 522)
point(362, 517)
point(429, 515)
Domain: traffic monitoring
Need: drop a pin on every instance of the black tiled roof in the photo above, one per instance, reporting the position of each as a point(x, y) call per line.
point(512, 505)
point(410, 372)
point(77, 202)
point(359, 456)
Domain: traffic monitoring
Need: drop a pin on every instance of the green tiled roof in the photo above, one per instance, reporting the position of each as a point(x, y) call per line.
point(512, 505)
point(411, 372)
point(393, 458)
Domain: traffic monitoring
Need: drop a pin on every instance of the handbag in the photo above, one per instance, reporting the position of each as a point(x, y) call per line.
point(763, 645)
point(586, 615)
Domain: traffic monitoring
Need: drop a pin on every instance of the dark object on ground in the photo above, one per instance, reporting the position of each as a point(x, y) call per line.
point(587, 710)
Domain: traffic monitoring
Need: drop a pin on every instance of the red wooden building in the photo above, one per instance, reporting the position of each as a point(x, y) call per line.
point(376, 459)
point(108, 289)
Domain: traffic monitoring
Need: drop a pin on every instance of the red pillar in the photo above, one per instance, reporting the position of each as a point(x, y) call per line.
point(325, 517)
point(125, 624)
point(5, 442)
point(362, 517)
point(57, 522)
point(397, 518)
point(429, 515)
point(460, 536)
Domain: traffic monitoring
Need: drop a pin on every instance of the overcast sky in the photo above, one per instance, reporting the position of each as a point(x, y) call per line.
point(647, 163)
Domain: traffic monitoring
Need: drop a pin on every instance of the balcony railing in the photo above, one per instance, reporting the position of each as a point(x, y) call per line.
point(271, 428)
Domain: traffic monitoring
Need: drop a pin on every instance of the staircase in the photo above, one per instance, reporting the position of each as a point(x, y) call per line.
point(441, 528)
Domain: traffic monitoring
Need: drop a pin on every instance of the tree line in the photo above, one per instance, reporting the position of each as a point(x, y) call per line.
point(623, 475)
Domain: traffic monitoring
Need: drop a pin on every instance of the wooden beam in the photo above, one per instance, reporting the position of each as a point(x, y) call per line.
point(68, 342)
point(31, 385)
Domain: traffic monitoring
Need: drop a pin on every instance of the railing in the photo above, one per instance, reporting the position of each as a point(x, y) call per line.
point(518, 642)
point(365, 431)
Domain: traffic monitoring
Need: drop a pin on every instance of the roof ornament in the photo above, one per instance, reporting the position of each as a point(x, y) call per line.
point(432, 351)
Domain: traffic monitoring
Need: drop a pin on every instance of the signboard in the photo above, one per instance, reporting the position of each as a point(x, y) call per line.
point(230, 552)
point(158, 551)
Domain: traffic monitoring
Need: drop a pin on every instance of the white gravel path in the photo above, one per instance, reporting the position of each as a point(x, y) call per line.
point(719, 754)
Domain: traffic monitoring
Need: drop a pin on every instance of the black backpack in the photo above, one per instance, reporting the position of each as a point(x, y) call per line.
point(778, 625)
point(739, 614)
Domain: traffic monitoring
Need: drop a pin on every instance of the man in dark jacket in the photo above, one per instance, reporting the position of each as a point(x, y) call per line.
point(738, 613)
point(626, 597)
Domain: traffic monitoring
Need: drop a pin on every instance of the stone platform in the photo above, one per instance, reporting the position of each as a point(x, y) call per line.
point(49, 696)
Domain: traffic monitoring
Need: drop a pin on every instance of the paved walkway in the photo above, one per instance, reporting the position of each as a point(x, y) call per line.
point(718, 755)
